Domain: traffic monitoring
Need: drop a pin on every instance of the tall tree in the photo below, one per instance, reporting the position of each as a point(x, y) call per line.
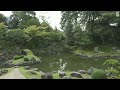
point(98, 24)
point(3, 19)
point(22, 19)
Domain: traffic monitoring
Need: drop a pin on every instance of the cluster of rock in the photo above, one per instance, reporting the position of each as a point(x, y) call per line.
point(76, 74)
point(8, 64)
point(63, 75)
point(46, 76)
point(73, 74)
point(89, 71)
point(3, 71)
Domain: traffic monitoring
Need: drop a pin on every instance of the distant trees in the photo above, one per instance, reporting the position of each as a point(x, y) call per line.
point(101, 27)
point(72, 28)
point(3, 19)
point(80, 28)
point(25, 31)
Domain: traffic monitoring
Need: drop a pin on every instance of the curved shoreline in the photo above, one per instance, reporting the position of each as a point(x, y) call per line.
point(97, 56)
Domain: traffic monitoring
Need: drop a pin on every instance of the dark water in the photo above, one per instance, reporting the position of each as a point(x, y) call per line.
point(74, 63)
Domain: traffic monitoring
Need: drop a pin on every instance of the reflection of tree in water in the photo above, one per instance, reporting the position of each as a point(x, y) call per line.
point(61, 66)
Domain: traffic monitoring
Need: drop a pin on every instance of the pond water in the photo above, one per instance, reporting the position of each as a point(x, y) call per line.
point(74, 63)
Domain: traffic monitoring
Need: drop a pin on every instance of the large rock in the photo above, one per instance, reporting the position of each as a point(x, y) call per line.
point(27, 67)
point(49, 76)
point(62, 74)
point(1, 73)
point(10, 61)
point(34, 78)
point(23, 53)
point(90, 70)
point(15, 66)
point(76, 74)
point(73, 74)
point(4, 71)
point(82, 71)
point(6, 65)
point(32, 73)
point(34, 69)
point(79, 75)
point(46, 76)
point(43, 76)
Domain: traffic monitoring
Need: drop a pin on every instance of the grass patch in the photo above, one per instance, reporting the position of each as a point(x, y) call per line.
point(27, 75)
point(18, 61)
point(29, 56)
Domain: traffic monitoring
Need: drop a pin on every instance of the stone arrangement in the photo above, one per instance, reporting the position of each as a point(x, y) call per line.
point(46, 76)
point(3, 71)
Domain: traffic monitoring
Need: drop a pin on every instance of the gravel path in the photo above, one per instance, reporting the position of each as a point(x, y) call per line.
point(15, 74)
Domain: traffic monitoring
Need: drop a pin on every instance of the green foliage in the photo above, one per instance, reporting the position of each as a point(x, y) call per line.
point(18, 57)
point(32, 59)
point(97, 24)
point(26, 59)
point(2, 30)
point(32, 30)
point(98, 74)
point(73, 28)
point(30, 56)
point(112, 67)
point(22, 19)
point(111, 63)
point(42, 37)
point(16, 37)
point(3, 19)
point(45, 26)
point(112, 71)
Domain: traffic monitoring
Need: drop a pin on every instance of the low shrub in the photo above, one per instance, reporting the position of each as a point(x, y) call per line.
point(26, 59)
point(32, 59)
point(18, 57)
point(98, 74)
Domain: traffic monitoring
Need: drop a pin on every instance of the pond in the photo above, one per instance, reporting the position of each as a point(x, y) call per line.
point(74, 63)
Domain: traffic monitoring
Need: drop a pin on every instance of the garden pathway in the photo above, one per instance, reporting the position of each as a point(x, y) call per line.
point(15, 74)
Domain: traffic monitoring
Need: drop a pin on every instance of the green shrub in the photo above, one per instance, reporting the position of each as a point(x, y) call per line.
point(18, 57)
point(98, 74)
point(111, 63)
point(113, 71)
point(26, 59)
point(32, 59)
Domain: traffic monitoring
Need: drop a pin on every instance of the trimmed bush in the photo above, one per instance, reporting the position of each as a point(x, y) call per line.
point(26, 59)
point(18, 57)
point(98, 74)
point(32, 59)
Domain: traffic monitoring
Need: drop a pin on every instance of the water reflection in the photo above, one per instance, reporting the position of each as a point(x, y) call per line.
point(74, 63)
